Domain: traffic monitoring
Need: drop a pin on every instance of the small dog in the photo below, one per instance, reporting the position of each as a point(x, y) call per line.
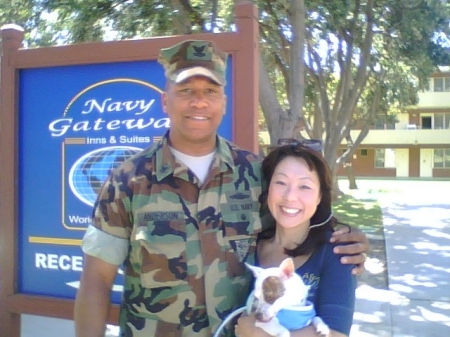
point(280, 301)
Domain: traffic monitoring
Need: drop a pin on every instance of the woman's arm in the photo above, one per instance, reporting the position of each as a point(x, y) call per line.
point(335, 296)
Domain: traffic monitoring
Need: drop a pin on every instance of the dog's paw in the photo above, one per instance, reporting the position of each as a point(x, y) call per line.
point(321, 327)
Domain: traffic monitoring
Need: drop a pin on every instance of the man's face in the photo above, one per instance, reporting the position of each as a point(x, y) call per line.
point(195, 108)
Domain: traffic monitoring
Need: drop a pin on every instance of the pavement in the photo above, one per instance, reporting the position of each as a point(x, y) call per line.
point(416, 300)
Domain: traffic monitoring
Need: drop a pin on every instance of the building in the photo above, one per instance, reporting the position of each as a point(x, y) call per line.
point(416, 144)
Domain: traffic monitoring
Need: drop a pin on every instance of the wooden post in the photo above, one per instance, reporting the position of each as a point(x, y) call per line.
point(247, 88)
point(12, 37)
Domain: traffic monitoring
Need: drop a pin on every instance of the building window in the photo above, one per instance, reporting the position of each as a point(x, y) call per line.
point(384, 158)
point(441, 158)
point(379, 122)
point(379, 158)
point(363, 153)
point(442, 121)
point(385, 122)
point(442, 84)
point(438, 121)
point(426, 122)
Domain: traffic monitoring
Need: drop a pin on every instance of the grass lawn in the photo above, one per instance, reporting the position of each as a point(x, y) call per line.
point(367, 216)
point(363, 214)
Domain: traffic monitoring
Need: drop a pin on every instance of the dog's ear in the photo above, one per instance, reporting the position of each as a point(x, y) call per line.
point(255, 270)
point(287, 267)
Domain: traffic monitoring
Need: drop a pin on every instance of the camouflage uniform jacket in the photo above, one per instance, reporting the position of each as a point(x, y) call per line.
point(185, 270)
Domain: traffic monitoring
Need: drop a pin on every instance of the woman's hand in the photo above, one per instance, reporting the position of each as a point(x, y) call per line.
point(246, 328)
point(354, 253)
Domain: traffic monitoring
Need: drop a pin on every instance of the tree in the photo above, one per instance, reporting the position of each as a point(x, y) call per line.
point(331, 62)
point(39, 29)
point(349, 69)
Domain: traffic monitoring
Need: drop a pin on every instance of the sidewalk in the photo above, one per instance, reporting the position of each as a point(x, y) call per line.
point(416, 302)
point(36, 326)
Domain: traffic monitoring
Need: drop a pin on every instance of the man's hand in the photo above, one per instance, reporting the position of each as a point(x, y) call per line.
point(354, 253)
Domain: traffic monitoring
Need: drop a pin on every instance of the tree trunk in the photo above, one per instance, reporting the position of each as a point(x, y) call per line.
point(336, 191)
point(351, 176)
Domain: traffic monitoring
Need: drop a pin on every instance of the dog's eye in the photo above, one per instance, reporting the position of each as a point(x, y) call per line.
point(273, 288)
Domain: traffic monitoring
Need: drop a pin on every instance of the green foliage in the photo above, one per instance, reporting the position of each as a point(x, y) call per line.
point(96, 20)
point(363, 58)
point(31, 16)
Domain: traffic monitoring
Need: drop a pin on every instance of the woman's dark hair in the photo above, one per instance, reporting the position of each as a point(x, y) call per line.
point(317, 235)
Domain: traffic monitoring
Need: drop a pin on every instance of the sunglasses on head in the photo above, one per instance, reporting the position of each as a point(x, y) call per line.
point(311, 144)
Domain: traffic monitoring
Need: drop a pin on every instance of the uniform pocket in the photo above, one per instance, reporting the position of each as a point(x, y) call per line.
point(240, 232)
point(163, 254)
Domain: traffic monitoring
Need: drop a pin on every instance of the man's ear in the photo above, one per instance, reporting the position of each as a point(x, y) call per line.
point(164, 102)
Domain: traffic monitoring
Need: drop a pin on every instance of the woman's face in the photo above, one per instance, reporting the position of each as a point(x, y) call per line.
point(294, 193)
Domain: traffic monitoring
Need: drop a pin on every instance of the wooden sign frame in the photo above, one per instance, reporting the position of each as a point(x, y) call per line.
point(242, 45)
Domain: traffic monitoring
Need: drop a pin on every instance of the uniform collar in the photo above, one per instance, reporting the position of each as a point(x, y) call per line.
point(167, 164)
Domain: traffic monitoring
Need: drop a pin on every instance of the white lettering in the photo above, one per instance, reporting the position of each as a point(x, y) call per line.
point(130, 105)
point(90, 140)
point(113, 125)
point(61, 262)
point(115, 106)
point(138, 107)
point(77, 263)
point(40, 260)
point(80, 219)
point(162, 123)
point(52, 261)
point(60, 130)
point(133, 139)
point(145, 107)
point(97, 125)
point(81, 126)
point(132, 124)
point(64, 262)
point(93, 103)
point(60, 127)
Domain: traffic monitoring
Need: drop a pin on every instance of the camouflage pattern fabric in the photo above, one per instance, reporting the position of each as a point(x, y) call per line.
point(185, 270)
point(193, 53)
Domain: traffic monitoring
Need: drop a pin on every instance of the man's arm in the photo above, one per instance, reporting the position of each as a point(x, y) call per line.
point(355, 252)
point(92, 302)
point(246, 328)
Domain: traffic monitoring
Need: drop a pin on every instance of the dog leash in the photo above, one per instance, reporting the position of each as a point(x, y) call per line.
point(228, 319)
point(238, 311)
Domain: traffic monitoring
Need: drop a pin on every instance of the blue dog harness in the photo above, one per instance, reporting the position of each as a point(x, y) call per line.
point(294, 318)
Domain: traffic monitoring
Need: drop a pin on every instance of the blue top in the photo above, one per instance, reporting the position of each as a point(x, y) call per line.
point(332, 287)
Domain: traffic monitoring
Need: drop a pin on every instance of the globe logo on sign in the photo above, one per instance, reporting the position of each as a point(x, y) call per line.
point(90, 171)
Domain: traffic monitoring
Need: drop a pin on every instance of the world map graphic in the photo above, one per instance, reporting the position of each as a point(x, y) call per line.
point(90, 171)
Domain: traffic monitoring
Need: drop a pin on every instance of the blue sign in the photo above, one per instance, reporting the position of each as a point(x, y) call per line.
point(76, 124)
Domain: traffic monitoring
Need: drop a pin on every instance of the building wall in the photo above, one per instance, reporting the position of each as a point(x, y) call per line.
point(363, 166)
point(412, 142)
point(418, 161)
point(441, 173)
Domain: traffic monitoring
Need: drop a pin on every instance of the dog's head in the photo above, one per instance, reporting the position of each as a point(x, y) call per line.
point(277, 288)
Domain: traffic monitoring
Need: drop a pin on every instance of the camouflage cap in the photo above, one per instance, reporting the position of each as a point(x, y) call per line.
point(194, 58)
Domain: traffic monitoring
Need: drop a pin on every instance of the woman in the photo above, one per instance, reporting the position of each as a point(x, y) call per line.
point(299, 201)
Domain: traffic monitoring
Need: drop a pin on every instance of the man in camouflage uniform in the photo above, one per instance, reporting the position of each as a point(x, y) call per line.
point(182, 216)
